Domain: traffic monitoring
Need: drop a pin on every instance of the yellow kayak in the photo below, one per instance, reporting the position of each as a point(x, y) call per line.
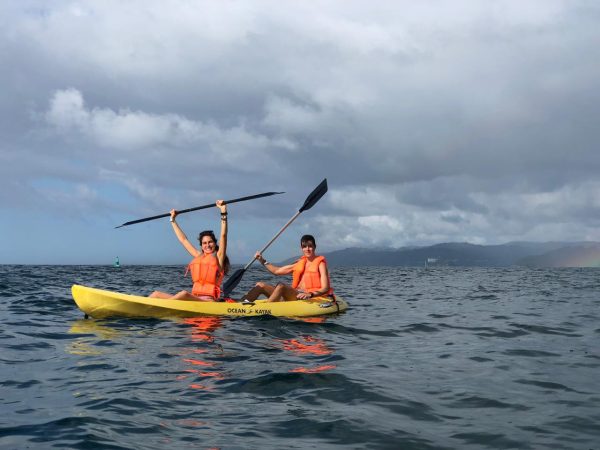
point(100, 304)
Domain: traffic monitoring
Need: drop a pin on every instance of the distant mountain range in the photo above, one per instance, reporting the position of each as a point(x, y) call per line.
point(532, 254)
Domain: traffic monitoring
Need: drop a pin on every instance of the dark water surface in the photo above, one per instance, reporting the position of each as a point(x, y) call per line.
point(439, 358)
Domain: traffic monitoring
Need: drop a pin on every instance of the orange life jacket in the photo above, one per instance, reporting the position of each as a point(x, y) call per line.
point(206, 275)
point(308, 273)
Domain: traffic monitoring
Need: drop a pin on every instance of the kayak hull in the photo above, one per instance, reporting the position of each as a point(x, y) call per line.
point(101, 304)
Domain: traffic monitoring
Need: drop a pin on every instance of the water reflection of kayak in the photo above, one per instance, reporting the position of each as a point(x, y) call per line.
point(101, 304)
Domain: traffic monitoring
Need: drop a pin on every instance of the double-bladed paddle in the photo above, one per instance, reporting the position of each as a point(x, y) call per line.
point(227, 202)
point(310, 201)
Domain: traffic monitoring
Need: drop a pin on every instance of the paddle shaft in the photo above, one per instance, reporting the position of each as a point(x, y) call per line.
point(274, 237)
point(210, 205)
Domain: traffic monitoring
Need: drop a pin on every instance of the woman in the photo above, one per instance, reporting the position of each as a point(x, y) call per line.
point(310, 277)
point(210, 264)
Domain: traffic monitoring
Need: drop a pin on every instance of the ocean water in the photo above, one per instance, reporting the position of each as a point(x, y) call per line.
point(445, 358)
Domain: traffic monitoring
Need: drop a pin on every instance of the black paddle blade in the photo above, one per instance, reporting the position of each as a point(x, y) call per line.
point(232, 282)
point(315, 196)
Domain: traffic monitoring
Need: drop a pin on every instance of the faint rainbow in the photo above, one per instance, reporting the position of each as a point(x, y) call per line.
point(590, 258)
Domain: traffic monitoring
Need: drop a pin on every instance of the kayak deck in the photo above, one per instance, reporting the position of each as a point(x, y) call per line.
point(101, 304)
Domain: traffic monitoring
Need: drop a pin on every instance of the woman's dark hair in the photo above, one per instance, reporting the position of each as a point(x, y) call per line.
point(306, 239)
point(211, 234)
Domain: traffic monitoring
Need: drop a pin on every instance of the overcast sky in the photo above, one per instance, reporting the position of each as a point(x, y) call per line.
point(433, 121)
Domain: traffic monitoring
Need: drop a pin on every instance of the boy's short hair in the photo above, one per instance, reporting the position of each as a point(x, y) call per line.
point(308, 238)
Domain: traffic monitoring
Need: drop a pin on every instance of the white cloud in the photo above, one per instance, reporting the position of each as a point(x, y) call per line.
point(123, 130)
point(571, 211)
point(135, 131)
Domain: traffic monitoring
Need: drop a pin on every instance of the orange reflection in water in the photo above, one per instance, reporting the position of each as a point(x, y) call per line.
point(312, 319)
point(215, 374)
point(198, 362)
point(203, 327)
point(211, 374)
point(201, 330)
point(202, 387)
point(308, 345)
point(314, 369)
